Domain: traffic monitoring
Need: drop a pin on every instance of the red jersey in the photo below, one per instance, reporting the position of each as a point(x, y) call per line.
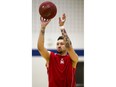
point(60, 71)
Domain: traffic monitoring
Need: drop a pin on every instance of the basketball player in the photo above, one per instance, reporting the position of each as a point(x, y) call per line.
point(61, 66)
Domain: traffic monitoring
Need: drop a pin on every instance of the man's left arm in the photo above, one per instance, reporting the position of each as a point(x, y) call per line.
point(68, 44)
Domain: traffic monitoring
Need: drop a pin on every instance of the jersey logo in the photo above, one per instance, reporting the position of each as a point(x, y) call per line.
point(62, 61)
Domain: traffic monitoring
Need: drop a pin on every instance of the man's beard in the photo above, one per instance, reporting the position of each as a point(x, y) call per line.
point(59, 52)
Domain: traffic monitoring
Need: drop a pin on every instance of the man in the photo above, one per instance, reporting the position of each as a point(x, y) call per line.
point(61, 66)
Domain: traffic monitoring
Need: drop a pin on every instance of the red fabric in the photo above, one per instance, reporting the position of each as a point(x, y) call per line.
point(60, 71)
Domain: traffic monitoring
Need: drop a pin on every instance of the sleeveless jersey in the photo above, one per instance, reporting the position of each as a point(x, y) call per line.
point(60, 71)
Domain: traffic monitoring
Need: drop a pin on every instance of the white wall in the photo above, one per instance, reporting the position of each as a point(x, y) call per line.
point(74, 25)
point(39, 77)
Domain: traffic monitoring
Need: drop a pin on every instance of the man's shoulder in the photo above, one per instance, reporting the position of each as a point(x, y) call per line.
point(53, 54)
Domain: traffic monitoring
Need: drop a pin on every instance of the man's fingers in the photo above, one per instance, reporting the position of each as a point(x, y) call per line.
point(48, 20)
point(41, 18)
point(59, 19)
point(64, 17)
point(44, 20)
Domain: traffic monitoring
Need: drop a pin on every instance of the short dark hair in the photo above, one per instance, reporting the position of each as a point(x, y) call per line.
point(60, 37)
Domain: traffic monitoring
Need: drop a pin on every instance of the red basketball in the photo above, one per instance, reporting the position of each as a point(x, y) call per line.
point(47, 10)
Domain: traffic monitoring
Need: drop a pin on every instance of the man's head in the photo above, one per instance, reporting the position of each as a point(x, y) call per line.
point(60, 45)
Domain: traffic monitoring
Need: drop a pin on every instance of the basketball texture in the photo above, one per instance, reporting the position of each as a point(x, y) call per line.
point(47, 10)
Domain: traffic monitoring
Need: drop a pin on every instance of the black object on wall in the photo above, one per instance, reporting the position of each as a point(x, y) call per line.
point(80, 73)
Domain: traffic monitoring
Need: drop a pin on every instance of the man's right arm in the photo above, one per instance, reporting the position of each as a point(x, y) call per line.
point(40, 45)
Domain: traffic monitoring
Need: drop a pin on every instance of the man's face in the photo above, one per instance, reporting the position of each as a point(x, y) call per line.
point(60, 45)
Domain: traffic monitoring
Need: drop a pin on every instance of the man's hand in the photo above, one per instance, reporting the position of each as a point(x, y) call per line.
point(44, 22)
point(62, 20)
